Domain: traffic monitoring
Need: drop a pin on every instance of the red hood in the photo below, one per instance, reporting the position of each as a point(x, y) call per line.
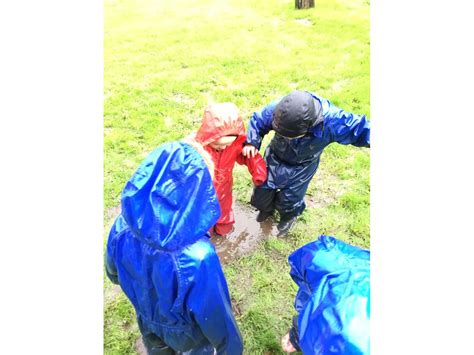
point(220, 120)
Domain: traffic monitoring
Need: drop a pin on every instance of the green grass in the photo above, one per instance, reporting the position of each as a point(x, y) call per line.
point(165, 61)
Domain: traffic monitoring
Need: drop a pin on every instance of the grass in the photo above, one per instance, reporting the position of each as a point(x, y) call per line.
point(165, 61)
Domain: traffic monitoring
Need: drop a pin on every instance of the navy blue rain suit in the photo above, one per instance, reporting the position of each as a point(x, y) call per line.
point(292, 162)
point(333, 300)
point(159, 252)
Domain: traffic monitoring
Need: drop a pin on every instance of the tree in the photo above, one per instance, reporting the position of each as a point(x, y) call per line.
point(304, 4)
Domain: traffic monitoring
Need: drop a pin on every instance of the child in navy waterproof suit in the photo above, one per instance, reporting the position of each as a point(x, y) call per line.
point(304, 124)
point(160, 254)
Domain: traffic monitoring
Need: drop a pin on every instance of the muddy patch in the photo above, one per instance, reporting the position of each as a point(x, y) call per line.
point(246, 236)
point(325, 190)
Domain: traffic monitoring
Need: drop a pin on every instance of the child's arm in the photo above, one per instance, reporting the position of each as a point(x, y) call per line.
point(260, 124)
point(256, 166)
point(346, 127)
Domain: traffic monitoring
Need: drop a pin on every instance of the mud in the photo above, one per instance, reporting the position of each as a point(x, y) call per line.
point(246, 235)
point(244, 238)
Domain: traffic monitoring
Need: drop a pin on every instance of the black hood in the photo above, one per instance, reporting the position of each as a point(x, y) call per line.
point(296, 113)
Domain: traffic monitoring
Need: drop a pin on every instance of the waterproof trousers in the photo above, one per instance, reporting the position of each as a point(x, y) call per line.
point(288, 201)
point(156, 346)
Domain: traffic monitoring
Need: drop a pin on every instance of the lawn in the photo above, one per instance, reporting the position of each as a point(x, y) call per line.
point(165, 61)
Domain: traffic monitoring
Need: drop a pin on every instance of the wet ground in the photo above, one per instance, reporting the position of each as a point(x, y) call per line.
point(244, 238)
point(246, 235)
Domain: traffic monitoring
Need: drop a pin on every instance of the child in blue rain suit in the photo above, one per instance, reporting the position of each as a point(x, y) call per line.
point(159, 252)
point(333, 300)
point(304, 124)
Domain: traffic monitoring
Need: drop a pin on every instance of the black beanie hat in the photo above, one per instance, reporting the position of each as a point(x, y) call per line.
point(295, 114)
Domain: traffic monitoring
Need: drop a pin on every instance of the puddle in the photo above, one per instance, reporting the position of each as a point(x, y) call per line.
point(243, 240)
point(246, 235)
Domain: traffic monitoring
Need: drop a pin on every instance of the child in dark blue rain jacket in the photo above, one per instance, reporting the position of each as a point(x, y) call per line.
point(159, 252)
point(304, 124)
point(333, 300)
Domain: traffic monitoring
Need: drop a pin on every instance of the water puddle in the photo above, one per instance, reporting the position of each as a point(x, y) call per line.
point(246, 235)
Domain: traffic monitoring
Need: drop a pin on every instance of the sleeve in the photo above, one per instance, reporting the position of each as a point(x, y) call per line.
point(210, 296)
point(256, 166)
point(259, 125)
point(345, 127)
point(110, 254)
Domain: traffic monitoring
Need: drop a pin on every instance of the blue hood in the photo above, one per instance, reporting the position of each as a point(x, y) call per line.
point(170, 201)
point(333, 300)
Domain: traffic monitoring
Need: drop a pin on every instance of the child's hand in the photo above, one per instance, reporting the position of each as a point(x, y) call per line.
point(286, 344)
point(249, 151)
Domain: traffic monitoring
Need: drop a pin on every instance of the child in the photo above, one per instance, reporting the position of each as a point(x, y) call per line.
point(304, 124)
point(159, 252)
point(222, 134)
point(333, 300)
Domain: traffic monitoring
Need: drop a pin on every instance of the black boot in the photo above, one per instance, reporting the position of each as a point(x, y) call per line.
point(263, 216)
point(285, 225)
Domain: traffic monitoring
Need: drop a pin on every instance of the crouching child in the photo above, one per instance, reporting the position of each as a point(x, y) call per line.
point(160, 254)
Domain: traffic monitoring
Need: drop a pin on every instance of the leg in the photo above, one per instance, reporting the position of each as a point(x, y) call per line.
point(153, 343)
point(156, 346)
point(223, 229)
point(264, 201)
point(290, 203)
point(226, 221)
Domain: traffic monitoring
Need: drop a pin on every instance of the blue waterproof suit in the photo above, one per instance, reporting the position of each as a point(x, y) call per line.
point(159, 252)
point(333, 300)
point(293, 162)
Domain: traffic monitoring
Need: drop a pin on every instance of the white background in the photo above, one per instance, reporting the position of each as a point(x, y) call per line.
point(51, 177)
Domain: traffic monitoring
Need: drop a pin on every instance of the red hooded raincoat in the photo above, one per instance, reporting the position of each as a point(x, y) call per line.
point(221, 120)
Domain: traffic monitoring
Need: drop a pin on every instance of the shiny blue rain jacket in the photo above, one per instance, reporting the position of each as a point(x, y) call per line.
point(159, 252)
point(333, 300)
point(295, 161)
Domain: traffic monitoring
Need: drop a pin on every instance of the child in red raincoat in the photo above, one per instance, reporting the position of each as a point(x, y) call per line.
point(222, 134)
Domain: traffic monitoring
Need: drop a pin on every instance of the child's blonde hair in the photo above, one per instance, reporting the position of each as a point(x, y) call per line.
point(190, 139)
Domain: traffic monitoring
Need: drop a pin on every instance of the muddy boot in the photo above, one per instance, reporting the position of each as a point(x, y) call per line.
point(285, 225)
point(262, 216)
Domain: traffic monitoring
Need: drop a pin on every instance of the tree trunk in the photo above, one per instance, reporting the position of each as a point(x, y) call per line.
point(304, 4)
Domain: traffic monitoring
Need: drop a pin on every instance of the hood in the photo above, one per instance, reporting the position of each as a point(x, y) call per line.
point(327, 257)
point(296, 113)
point(334, 295)
point(219, 120)
point(170, 201)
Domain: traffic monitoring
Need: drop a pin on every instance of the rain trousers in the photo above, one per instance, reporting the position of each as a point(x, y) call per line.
point(217, 124)
point(333, 300)
point(292, 163)
point(159, 252)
